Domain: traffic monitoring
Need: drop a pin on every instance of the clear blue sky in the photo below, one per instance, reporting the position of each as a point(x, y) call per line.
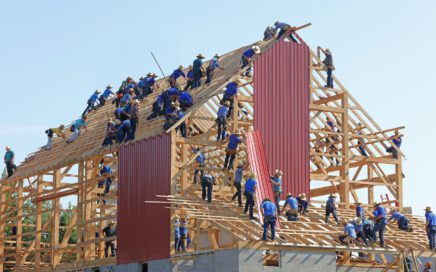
point(54, 54)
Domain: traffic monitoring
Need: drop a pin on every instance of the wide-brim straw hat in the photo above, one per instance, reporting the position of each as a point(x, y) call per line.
point(375, 204)
point(333, 195)
point(181, 67)
point(428, 209)
point(302, 196)
point(217, 55)
point(279, 172)
point(289, 195)
point(97, 91)
point(358, 220)
point(252, 176)
point(227, 103)
point(62, 126)
point(108, 87)
point(256, 49)
point(200, 56)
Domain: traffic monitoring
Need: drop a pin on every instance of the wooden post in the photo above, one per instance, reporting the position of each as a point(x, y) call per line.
point(80, 197)
point(2, 225)
point(184, 179)
point(173, 181)
point(38, 224)
point(345, 188)
point(54, 237)
point(19, 225)
point(399, 178)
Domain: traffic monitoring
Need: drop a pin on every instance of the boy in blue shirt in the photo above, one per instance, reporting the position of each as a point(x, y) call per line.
point(401, 219)
point(379, 217)
point(246, 59)
point(250, 189)
point(269, 213)
point(276, 181)
point(397, 140)
point(105, 95)
point(330, 208)
point(292, 213)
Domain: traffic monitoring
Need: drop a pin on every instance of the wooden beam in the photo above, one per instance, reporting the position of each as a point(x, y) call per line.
point(55, 196)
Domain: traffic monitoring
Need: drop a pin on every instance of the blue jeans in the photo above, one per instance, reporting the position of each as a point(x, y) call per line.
point(329, 78)
point(182, 128)
point(272, 223)
point(222, 126)
point(362, 150)
point(124, 135)
point(277, 200)
point(206, 186)
point(245, 63)
point(392, 150)
point(198, 170)
point(403, 223)
point(431, 236)
point(181, 245)
point(249, 204)
point(380, 228)
point(209, 75)
point(361, 234)
point(88, 108)
point(108, 185)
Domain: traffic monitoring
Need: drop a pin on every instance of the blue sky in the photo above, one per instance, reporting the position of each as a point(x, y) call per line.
point(54, 54)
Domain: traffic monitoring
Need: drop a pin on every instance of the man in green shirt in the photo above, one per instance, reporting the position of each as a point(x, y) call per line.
point(9, 161)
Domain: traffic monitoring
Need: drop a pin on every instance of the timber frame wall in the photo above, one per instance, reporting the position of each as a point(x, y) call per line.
point(26, 249)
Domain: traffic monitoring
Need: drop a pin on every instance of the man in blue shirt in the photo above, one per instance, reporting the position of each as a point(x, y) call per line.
point(105, 95)
point(189, 79)
point(231, 149)
point(126, 97)
point(328, 63)
point(269, 33)
point(283, 28)
point(397, 140)
point(198, 70)
point(172, 80)
point(401, 219)
point(349, 234)
point(303, 204)
point(111, 133)
point(185, 100)
point(105, 171)
point(75, 129)
point(221, 120)
point(9, 161)
point(330, 208)
point(200, 160)
point(276, 181)
point(210, 70)
point(292, 213)
point(176, 235)
point(247, 57)
point(158, 107)
point(183, 235)
point(358, 226)
point(430, 227)
point(91, 103)
point(124, 131)
point(239, 174)
point(269, 213)
point(379, 217)
point(230, 93)
point(207, 181)
point(250, 189)
point(359, 210)
point(182, 127)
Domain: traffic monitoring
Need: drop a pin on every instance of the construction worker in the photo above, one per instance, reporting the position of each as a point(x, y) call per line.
point(379, 217)
point(111, 133)
point(283, 28)
point(176, 235)
point(200, 160)
point(75, 129)
point(250, 189)
point(368, 229)
point(171, 115)
point(173, 94)
point(91, 102)
point(124, 84)
point(330, 208)
point(127, 97)
point(189, 79)
point(239, 174)
point(430, 227)
point(427, 267)
point(401, 219)
point(358, 226)
point(247, 57)
point(172, 80)
point(198, 70)
point(269, 33)
point(157, 107)
point(51, 132)
point(183, 129)
point(210, 70)
point(230, 93)
point(185, 100)
point(359, 210)
point(349, 234)
point(221, 120)
point(231, 150)
point(183, 235)
point(134, 118)
point(151, 82)
point(276, 181)
point(109, 231)
point(328, 63)
point(9, 161)
point(207, 181)
point(269, 213)
point(124, 131)
point(397, 139)
point(292, 213)
point(105, 171)
point(361, 140)
point(105, 95)
point(303, 204)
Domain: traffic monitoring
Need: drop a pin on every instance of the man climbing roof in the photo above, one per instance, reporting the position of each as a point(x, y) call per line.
point(75, 129)
point(91, 103)
point(247, 57)
point(210, 70)
point(282, 28)
point(172, 80)
point(198, 70)
point(51, 132)
point(105, 95)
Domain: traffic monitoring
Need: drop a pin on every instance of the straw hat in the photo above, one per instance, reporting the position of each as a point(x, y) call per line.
point(256, 49)
point(190, 67)
point(108, 87)
point(252, 176)
point(289, 195)
point(129, 77)
point(111, 223)
point(149, 74)
point(328, 51)
point(333, 195)
point(358, 203)
point(141, 78)
point(8, 148)
point(181, 67)
point(428, 209)
point(358, 220)
point(375, 204)
point(227, 103)
point(61, 126)
point(302, 196)
point(200, 56)
point(217, 56)
point(279, 172)
point(97, 91)
point(276, 23)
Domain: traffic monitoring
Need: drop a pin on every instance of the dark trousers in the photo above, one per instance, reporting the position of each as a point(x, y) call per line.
point(345, 239)
point(362, 150)
point(245, 63)
point(271, 222)
point(222, 126)
point(199, 170)
point(108, 183)
point(291, 37)
point(189, 85)
point(403, 223)
point(230, 163)
point(108, 244)
point(329, 211)
point(134, 123)
point(249, 203)
point(393, 151)
point(182, 128)
point(181, 244)
point(277, 200)
point(238, 193)
point(369, 232)
point(89, 108)
point(329, 78)
point(292, 215)
point(361, 235)
point(380, 228)
point(302, 206)
point(431, 232)
point(10, 168)
point(124, 134)
point(108, 140)
point(209, 75)
point(206, 186)
point(197, 80)
point(102, 101)
point(156, 111)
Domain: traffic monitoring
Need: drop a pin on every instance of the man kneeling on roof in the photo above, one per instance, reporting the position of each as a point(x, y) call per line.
point(402, 221)
point(158, 107)
point(349, 234)
point(292, 213)
point(269, 213)
point(75, 129)
point(51, 132)
point(358, 226)
point(111, 133)
point(247, 59)
point(303, 204)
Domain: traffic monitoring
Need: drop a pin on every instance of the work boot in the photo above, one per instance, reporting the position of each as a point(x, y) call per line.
point(326, 220)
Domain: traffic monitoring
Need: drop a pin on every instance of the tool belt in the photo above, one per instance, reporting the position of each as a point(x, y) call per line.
point(270, 218)
point(277, 193)
point(231, 152)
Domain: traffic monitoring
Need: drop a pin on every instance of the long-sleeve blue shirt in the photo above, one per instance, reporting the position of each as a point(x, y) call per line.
point(281, 26)
point(360, 212)
point(396, 216)
point(185, 97)
point(380, 211)
point(231, 89)
point(107, 93)
point(430, 218)
point(93, 98)
point(249, 53)
point(292, 202)
point(233, 142)
point(178, 73)
point(222, 111)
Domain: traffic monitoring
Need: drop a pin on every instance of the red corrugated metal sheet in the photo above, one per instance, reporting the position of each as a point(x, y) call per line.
point(281, 111)
point(144, 172)
point(259, 166)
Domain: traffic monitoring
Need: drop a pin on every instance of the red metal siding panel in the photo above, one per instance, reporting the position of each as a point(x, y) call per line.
point(144, 172)
point(259, 166)
point(281, 111)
